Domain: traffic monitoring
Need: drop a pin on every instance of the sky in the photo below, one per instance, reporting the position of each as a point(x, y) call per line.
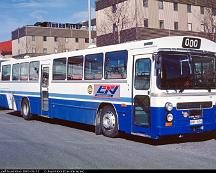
point(17, 13)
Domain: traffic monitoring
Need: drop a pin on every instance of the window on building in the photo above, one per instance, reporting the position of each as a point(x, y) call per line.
point(44, 38)
point(24, 71)
point(75, 68)
point(114, 8)
point(33, 38)
point(175, 25)
point(86, 40)
point(202, 27)
point(55, 39)
point(34, 70)
point(116, 65)
point(145, 3)
point(33, 50)
point(161, 23)
point(189, 26)
point(59, 69)
point(15, 72)
point(189, 8)
point(146, 23)
point(45, 50)
point(6, 72)
point(175, 6)
point(161, 4)
point(76, 40)
point(214, 11)
point(202, 10)
point(93, 67)
point(115, 28)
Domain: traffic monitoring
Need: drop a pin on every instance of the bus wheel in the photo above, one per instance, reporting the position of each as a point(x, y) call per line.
point(109, 122)
point(25, 110)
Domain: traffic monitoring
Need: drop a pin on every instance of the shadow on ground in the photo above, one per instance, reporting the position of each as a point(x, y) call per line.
point(162, 141)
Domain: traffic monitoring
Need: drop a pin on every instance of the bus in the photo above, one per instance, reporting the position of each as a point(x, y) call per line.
point(152, 88)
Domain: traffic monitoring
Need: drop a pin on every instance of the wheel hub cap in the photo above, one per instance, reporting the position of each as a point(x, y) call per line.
point(109, 121)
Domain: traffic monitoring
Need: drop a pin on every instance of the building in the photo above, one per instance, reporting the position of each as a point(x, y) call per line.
point(127, 20)
point(5, 50)
point(47, 38)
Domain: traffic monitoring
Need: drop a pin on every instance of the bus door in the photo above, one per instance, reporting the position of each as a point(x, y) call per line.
point(141, 94)
point(44, 90)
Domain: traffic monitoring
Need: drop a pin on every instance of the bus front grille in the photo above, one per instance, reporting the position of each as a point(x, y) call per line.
point(194, 105)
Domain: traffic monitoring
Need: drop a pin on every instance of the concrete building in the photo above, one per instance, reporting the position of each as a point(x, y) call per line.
point(127, 20)
point(47, 38)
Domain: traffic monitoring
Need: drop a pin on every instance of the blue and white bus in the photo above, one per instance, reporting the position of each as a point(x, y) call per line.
point(152, 88)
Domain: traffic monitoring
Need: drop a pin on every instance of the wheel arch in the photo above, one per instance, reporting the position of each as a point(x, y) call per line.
point(97, 119)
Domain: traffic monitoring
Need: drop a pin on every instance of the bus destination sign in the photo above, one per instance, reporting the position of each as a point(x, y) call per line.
point(193, 43)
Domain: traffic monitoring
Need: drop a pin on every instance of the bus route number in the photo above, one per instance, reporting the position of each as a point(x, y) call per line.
point(193, 43)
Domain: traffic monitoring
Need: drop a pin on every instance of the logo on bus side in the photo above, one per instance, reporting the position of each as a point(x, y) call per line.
point(107, 91)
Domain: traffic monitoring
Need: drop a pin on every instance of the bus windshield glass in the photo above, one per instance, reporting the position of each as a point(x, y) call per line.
point(186, 71)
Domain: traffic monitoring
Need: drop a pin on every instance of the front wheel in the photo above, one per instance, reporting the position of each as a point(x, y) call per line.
point(109, 122)
point(25, 110)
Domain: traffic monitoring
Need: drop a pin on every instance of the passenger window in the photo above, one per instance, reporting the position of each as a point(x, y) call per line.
point(34, 70)
point(75, 68)
point(59, 69)
point(142, 74)
point(116, 65)
point(6, 72)
point(15, 72)
point(24, 71)
point(94, 66)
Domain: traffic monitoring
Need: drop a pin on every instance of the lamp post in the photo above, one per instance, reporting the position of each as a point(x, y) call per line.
point(89, 22)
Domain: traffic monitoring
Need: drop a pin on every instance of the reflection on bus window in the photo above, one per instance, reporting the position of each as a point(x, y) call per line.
point(24, 71)
point(6, 70)
point(94, 67)
point(34, 70)
point(116, 65)
point(142, 74)
point(15, 72)
point(59, 69)
point(75, 68)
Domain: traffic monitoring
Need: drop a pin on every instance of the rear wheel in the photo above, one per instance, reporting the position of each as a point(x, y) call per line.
point(109, 122)
point(25, 110)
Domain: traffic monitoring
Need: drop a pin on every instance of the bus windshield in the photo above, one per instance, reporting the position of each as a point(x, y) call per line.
point(187, 71)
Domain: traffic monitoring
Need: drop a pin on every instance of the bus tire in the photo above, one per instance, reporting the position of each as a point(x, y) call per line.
point(25, 109)
point(109, 122)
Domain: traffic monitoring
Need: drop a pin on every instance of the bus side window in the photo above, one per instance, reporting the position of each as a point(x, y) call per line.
point(116, 65)
point(6, 72)
point(142, 74)
point(15, 72)
point(34, 70)
point(75, 68)
point(93, 67)
point(59, 69)
point(24, 71)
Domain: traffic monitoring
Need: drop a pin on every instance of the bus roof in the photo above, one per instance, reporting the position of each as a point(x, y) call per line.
point(170, 42)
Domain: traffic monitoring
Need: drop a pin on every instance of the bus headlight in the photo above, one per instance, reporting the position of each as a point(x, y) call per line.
point(169, 117)
point(169, 106)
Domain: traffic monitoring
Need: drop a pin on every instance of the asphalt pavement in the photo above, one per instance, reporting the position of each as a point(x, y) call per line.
point(53, 144)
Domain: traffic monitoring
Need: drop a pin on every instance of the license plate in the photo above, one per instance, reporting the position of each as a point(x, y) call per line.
point(196, 122)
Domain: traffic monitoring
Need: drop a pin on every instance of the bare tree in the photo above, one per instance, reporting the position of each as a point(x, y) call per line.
point(117, 19)
point(209, 23)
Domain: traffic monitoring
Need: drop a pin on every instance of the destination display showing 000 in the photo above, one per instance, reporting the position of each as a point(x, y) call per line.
point(193, 43)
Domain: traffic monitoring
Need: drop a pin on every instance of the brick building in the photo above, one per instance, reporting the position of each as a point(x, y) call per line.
point(127, 20)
